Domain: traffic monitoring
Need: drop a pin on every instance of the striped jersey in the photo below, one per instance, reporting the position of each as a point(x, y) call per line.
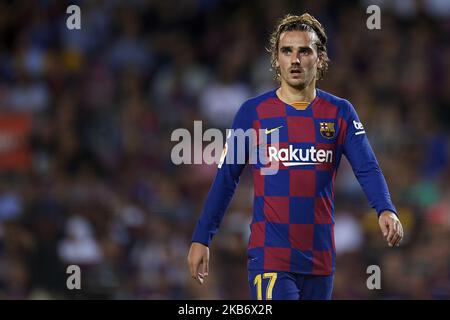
point(294, 159)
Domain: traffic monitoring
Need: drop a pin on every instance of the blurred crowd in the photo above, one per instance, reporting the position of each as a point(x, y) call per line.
point(86, 118)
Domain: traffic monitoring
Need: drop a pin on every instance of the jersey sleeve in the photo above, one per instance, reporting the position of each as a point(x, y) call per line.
point(232, 162)
point(359, 152)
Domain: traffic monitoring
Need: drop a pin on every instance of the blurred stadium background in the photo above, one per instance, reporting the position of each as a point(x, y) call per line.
point(85, 123)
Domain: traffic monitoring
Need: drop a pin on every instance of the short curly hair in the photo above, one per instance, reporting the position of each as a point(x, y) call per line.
point(305, 22)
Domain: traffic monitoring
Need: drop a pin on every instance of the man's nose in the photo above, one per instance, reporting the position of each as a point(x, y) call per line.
point(295, 59)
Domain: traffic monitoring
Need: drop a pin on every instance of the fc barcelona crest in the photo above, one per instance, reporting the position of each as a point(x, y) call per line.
point(327, 129)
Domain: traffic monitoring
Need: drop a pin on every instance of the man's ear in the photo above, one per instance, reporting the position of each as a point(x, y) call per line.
point(319, 65)
point(319, 60)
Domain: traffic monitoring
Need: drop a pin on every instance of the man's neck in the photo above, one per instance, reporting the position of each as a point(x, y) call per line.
point(289, 94)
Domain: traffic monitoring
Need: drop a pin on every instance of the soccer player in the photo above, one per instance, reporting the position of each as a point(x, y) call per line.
point(291, 251)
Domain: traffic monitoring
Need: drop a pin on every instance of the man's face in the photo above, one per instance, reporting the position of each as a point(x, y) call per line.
point(297, 58)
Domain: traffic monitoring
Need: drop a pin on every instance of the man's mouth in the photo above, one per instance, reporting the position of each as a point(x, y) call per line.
point(296, 71)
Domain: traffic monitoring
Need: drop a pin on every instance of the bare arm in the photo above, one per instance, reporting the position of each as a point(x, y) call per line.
point(391, 227)
point(198, 261)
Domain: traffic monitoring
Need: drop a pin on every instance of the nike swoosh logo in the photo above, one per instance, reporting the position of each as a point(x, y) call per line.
point(268, 131)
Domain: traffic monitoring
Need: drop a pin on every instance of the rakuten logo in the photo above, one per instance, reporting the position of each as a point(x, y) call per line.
point(300, 157)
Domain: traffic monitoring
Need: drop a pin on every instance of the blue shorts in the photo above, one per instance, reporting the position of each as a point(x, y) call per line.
point(275, 285)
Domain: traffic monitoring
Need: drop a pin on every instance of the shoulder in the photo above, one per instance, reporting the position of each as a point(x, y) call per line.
point(342, 104)
point(249, 106)
point(257, 100)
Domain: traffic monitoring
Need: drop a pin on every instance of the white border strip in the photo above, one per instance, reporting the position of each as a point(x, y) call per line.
point(289, 164)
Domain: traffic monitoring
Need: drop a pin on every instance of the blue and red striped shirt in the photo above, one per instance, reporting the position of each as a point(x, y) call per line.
point(293, 213)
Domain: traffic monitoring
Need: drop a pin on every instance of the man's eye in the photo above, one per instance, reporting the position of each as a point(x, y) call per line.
point(285, 50)
point(305, 52)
